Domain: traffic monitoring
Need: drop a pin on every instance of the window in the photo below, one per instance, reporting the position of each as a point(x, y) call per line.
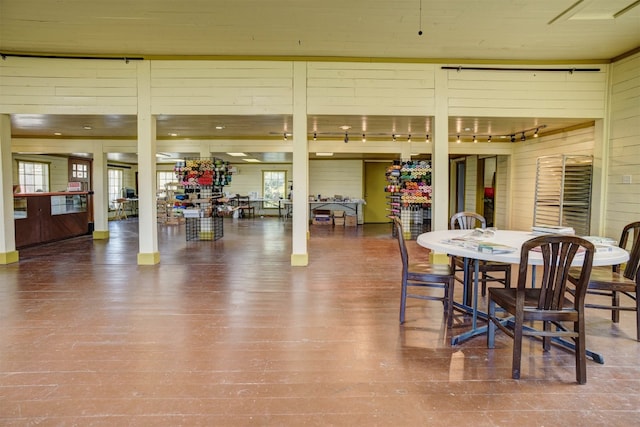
point(80, 171)
point(164, 178)
point(273, 186)
point(114, 177)
point(33, 176)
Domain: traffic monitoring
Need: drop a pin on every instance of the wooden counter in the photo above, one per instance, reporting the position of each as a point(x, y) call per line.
point(47, 217)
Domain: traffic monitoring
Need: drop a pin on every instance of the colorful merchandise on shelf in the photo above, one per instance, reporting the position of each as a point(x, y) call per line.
point(410, 200)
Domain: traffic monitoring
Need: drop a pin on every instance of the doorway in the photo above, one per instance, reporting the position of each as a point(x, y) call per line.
point(375, 208)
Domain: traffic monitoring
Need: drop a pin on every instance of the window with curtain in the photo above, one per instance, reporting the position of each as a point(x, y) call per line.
point(33, 176)
point(273, 186)
point(115, 178)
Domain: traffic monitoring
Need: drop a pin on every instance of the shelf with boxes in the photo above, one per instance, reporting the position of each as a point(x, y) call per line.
point(337, 218)
point(409, 199)
point(202, 181)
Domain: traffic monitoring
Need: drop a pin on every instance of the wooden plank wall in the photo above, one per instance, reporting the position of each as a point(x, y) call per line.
point(65, 86)
point(523, 169)
point(623, 200)
point(222, 87)
point(370, 88)
point(527, 94)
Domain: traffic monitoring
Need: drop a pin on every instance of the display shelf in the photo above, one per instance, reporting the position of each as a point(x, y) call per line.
point(409, 200)
point(202, 181)
point(563, 192)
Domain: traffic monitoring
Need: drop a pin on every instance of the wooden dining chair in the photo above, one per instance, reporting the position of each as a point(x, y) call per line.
point(424, 275)
point(487, 269)
point(244, 204)
point(610, 283)
point(556, 300)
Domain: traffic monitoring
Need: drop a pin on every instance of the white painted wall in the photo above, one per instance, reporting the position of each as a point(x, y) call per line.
point(523, 172)
point(67, 86)
point(623, 200)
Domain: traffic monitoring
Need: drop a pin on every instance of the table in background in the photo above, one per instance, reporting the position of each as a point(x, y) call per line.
point(351, 206)
point(437, 242)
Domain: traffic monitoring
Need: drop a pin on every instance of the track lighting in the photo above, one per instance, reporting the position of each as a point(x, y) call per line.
point(458, 139)
point(523, 138)
point(346, 137)
point(489, 139)
point(393, 137)
point(409, 138)
point(315, 136)
point(364, 138)
point(535, 134)
point(513, 138)
point(285, 136)
point(427, 140)
point(475, 140)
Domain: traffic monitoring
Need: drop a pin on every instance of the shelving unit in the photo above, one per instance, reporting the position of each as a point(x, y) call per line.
point(202, 181)
point(563, 192)
point(409, 188)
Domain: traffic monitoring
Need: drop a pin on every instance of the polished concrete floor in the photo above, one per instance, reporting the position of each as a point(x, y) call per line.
point(227, 333)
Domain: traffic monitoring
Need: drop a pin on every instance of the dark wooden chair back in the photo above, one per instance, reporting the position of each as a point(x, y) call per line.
point(467, 221)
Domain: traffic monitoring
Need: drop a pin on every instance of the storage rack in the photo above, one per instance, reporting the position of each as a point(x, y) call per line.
point(409, 188)
point(563, 192)
point(203, 180)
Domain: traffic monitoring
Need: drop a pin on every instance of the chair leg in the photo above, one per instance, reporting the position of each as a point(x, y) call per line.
point(615, 302)
point(517, 348)
point(491, 327)
point(403, 300)
point(637, 315)
point(449, 302)
point(581, 357)
point(546, 341)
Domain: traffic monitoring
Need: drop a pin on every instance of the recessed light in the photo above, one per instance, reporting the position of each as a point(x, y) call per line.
point(87, 127)
point(237, 154)
point(251, 160)
point(220, 127)
point(57, 133)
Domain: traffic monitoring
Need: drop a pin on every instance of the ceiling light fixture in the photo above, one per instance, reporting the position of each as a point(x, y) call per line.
point(87, 127)
point(489, 139)
point(315, 136)
point(346, 137)
point(393, 137)
point(285, 136)
point(475, 140)
point(513, 138)
point(427, 139)
point(458, 139)
point(409, 138)
point(219, 127)
point(523, 138)
point(324, 154)
point(364, 138)
point(535, 134)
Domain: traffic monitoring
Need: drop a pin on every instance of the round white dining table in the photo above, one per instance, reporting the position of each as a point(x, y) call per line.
point(458, 243)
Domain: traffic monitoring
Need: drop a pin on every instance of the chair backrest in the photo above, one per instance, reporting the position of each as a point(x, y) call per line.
point(403, 246)
point(631, 232)
point(558, 252)
point(467, 221)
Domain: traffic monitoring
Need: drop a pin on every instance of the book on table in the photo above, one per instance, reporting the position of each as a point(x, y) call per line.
point(552, 229)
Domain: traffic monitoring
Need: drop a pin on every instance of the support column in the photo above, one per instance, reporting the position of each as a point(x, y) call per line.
point(147, 220)
point(440, 163)
point(8, 253)
point(100, 193)
point(300, 203)
point(440, 155)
